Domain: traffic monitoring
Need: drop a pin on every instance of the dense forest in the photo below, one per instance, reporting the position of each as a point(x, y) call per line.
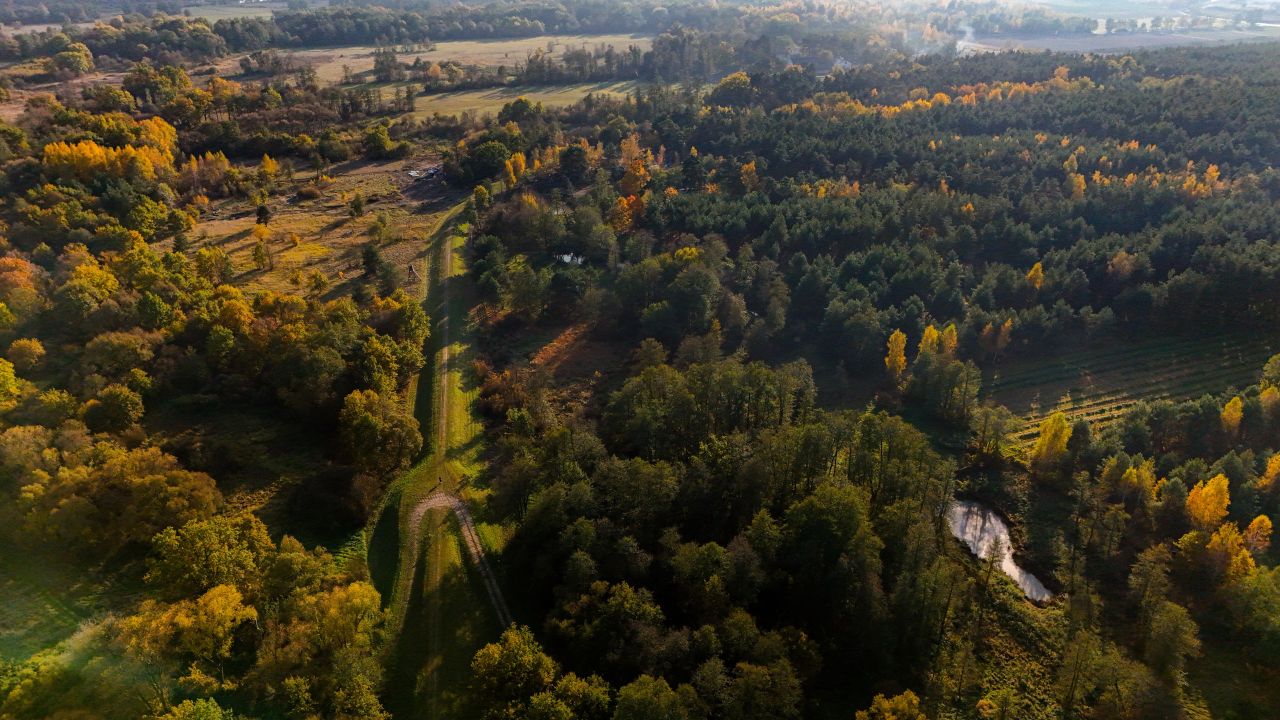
point(976, 211)
point(724, 350)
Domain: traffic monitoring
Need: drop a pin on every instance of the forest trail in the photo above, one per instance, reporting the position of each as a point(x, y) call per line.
point(475, 549)
point(438, 615)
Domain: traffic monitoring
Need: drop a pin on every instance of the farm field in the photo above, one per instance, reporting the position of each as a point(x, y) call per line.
point(490, 100)
point(1125, 42)
point(1099, 384)
point(329, 63)
point(247, 10)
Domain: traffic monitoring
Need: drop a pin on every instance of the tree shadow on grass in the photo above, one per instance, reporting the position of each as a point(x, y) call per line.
point(427, 677)
point(384, 549)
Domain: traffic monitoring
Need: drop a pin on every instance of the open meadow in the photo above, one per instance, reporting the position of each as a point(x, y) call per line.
point(490, 100)
point(332, 63)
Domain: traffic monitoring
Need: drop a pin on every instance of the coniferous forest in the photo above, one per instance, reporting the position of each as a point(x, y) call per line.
point(571, 360)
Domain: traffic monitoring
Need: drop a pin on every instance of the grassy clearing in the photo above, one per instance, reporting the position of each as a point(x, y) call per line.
point(440, 613)
point(490, 100)
point(1230, 693)
point(1101, 383)
point(48, 597)
point(45, 601)
point(329, 240)
point(332, 63)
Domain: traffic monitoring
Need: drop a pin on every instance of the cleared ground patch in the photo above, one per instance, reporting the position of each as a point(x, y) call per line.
point(1100, 383)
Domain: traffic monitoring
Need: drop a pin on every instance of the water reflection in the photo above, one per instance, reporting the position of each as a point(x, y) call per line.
point(981, 529)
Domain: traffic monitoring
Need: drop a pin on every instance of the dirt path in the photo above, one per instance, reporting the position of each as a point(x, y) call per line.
point(475, 549)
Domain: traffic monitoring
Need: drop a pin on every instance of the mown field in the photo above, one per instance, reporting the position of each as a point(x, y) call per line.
point(1100, 383)
point(490, 100)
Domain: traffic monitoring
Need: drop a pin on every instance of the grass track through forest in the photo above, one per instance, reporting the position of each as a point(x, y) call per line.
point(443, 608)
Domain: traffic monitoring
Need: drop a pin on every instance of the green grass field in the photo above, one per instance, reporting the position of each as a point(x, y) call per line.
point(1100, 383)
point(47, 599)
point(39, 608)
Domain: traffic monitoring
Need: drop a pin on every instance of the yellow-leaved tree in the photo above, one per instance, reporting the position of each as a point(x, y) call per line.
point(1207, 502)
point(635, 179)
point(1269, 481)
point(1228, 555)
point(930, 342)
point(1051, 447)
point(895, 361)
point(750, 178)
point(950, 339)
point(1257, 537)
point(1232, 414)
point(1035, 276)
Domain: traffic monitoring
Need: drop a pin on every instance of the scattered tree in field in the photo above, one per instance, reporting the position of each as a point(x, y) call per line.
point(74, 60)
point(263, 258)
point(269, 168)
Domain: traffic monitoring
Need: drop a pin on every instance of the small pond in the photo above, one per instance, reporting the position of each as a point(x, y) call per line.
point(981, 529)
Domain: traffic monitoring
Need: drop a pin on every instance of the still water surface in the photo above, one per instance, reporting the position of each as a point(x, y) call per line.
point(982, 530)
